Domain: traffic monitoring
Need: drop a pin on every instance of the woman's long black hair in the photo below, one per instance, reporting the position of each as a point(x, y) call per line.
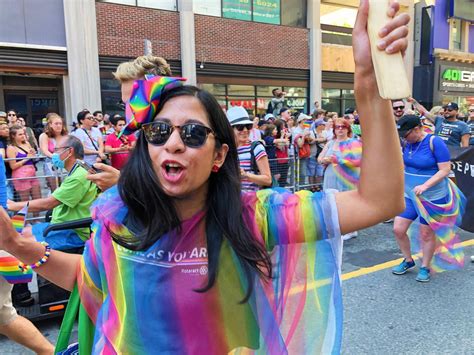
point(153, 213)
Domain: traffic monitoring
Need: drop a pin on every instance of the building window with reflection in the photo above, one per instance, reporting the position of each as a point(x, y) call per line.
point(457, 35)
point(337, 100)
point(170, 5)
point(255, 99)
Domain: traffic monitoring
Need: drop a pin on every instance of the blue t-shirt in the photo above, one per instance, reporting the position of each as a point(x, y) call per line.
point(470, 124)
point(450, 132)
point(270, 147)
point(3, 184)
point(419, 159)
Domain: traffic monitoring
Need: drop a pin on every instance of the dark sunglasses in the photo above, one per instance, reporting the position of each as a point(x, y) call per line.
point(340, 127)
point(396, 108)
point(240, 127)
point(193, 135)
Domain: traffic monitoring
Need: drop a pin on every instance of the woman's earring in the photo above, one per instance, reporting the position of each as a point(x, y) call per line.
point(215, 168)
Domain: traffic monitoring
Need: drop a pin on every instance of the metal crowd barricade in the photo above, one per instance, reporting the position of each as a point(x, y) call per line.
point(291, 174)
point(39, 162)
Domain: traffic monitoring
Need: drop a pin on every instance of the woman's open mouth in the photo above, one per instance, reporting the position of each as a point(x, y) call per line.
point(173, 171)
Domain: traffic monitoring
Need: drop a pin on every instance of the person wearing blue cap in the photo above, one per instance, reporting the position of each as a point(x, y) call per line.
point(428, 196)
point(451, 130)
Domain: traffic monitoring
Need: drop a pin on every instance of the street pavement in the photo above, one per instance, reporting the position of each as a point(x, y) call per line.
point(384, 313)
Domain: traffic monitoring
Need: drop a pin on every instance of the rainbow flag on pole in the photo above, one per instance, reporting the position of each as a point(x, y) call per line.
point(8, 264)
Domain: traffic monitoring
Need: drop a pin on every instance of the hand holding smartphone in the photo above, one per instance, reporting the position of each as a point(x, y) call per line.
point(86, 166)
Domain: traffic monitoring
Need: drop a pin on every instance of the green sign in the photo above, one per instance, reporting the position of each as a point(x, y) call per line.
point(456, 79)
point(458, 75)
point(237, 9)
point(267, 11)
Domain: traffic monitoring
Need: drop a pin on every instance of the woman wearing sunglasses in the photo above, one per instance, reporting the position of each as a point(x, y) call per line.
point(182, 262)
point(342, 159)
point(253, 159)
point(430, 197)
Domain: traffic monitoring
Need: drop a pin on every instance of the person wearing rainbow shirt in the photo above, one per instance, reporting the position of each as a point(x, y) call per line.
point(182, 262)
point(342, 159)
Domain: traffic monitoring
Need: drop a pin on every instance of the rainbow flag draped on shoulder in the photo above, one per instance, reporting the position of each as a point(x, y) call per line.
point(8, 264)
point(346, 162)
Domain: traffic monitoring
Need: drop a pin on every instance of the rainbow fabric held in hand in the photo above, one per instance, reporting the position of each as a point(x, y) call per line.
point(8, 264)
point(146, 95)
point(443, 218)
point(346, 162)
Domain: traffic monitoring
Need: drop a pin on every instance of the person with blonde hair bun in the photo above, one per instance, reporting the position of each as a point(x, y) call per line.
point(126, 73)
point(137, 69)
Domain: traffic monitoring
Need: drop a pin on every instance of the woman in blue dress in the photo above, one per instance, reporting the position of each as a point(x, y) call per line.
point(429, 195)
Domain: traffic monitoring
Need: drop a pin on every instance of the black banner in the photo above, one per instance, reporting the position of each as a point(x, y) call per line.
point(462, 161)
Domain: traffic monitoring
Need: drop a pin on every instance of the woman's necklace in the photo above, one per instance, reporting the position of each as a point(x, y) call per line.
point(411, 153)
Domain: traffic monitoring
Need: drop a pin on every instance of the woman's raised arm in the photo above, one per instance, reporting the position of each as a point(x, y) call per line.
point(380, 192)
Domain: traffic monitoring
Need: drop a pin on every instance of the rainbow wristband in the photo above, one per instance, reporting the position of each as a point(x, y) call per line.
point(47, 251)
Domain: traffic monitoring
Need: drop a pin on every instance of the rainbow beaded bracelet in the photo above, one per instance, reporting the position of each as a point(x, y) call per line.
point(47, 251)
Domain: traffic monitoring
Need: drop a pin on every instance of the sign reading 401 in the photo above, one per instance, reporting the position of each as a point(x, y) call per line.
point(458, 75)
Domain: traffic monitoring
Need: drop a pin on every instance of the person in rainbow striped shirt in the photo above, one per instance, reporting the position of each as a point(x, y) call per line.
point(181, 261)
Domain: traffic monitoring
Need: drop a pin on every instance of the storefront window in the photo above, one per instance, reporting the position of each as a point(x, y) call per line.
point(241, 90)
point(155, 4)
point(214, 89)
point(331, 93)
point(111, 95)
point(285, 12)
point(159, 4)
point(456, 34)
point(207, 7)
point(293, 13)
point(337, 100)
point(237, 9)
point(246, 102)
point(255, 99)
point(222, 102)
point(295, 92)
point(122, 2)
point(296, 98)
point(266, 90)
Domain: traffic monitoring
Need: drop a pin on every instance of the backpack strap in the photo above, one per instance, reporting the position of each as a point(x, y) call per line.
point(253, 161)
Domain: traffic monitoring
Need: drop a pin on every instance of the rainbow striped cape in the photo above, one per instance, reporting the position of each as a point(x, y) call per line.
point(8, 264)
point(146, 302)
point(346, 160)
